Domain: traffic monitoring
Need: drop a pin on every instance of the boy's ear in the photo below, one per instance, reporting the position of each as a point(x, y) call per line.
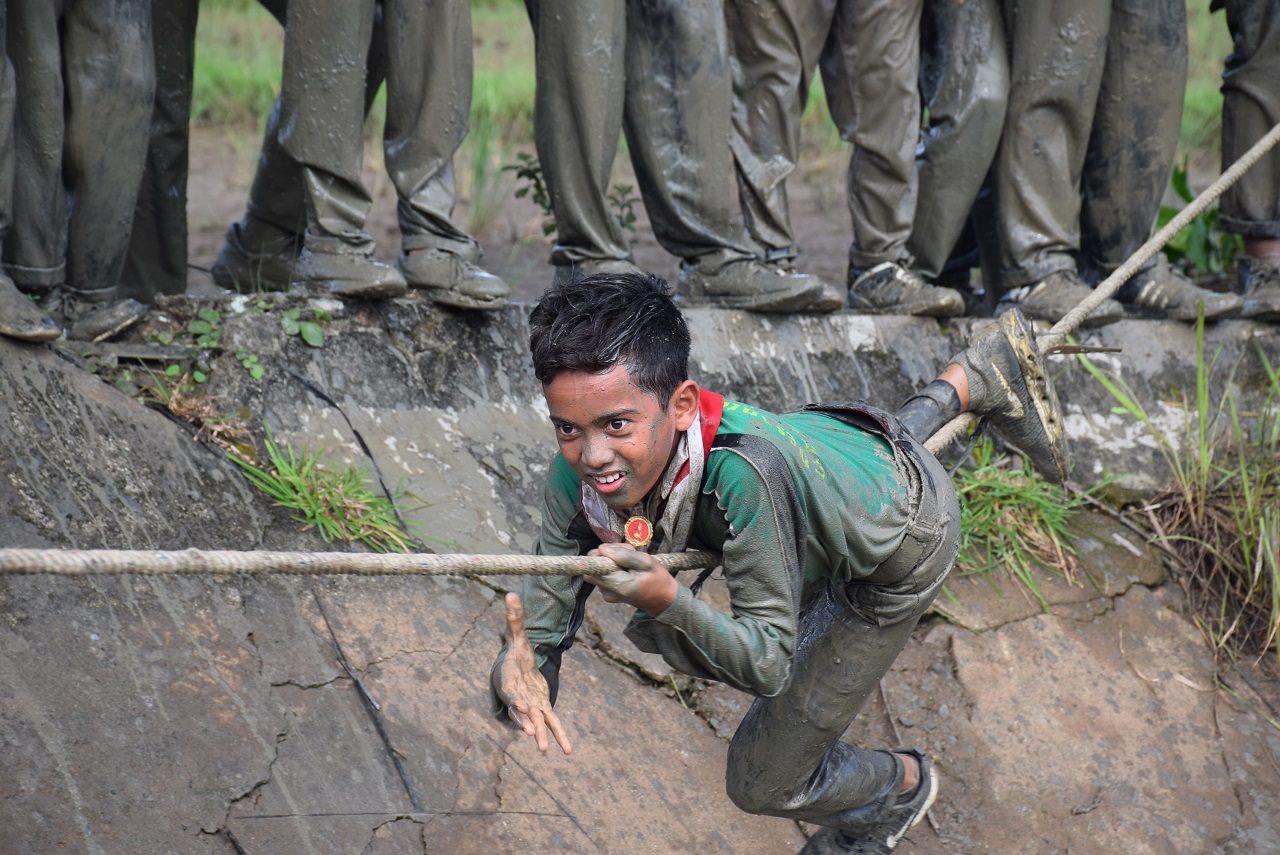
point(684, 404)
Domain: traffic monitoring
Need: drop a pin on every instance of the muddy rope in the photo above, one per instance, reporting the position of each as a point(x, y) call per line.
point(94, 562)
point(1107, 287)
point(192, 561)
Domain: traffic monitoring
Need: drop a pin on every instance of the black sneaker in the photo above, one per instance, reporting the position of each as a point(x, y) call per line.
point(906, 812)
point(1260, 285)
point(1164, 292)
point(890, 289)
point(1053, 296)
point(1009, 384)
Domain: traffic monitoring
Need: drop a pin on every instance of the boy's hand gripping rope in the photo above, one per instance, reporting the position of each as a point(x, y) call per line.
point(189, 561)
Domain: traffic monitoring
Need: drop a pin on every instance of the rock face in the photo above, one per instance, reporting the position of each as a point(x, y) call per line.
point(349, 714)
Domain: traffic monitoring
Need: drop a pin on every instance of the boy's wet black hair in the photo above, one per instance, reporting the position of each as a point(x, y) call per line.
point(593, 323)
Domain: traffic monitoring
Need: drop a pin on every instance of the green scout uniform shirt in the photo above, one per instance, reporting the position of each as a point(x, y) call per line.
point(785, 499)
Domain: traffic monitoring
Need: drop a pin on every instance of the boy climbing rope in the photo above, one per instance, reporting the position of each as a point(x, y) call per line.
point(836, 529)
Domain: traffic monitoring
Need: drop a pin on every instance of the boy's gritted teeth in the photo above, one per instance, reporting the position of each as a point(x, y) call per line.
point(606, 481)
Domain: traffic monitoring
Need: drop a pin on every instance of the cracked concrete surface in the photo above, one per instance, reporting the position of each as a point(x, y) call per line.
point(349, 714)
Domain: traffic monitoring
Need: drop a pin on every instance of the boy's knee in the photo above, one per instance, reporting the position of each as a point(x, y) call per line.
point(752, 789)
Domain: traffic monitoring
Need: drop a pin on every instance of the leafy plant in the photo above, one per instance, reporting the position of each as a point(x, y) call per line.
point(308, 329)
point(1012, 519)
point(529, 171)
point(337, 503)
point(1220, 524)
point(623, 201)
point(1200, 246)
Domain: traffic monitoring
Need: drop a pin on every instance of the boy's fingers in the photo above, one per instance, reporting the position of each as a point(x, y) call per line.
point(558, 731)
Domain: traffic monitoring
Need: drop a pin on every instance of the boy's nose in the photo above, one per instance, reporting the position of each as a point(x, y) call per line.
point(597, 453)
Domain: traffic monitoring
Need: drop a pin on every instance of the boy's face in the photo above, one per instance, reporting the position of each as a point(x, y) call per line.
point(615, 435)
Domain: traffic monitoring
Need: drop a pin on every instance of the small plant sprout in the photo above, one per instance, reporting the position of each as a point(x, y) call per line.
point(308, 329)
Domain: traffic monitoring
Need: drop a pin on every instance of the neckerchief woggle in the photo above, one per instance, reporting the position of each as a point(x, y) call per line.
point(662, 520)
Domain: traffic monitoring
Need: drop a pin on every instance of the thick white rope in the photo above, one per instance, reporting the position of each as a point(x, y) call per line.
point(1107, 287)
point(92, 562)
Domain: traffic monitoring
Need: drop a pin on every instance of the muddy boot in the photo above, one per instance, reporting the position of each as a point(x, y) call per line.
point(1053, 296)
point(1010, 385)
point(832, 297)
point(1260, 285)
point(566, 273)
point(256, 256)
point(87, 316)
point(346, 269)
point(906, 813)
point(1163, 292)
point(21, 318)
point(890, 289)
point(749, 285)
point(453, 279)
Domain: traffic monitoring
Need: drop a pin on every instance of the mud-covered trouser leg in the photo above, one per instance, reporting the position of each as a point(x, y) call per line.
point(278, 194)
point(577, 120)
point(786, 758)
point(8, 105)
point(157, 259)
point(1250, 108)
point(676, 118)
point(35, 250)
point(1057, 51)
point(964, 77)
point(1135, 129)
point(774, 47)
point(110, 87)
point(429, 70)
point(871, 69)
point(326, 47)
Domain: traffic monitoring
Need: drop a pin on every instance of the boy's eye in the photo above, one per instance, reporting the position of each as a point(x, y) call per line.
point(566, 430)
point(618, 424)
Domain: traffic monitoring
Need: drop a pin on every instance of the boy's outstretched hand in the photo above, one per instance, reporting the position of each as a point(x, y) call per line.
point(640, 581)
point(524, 689)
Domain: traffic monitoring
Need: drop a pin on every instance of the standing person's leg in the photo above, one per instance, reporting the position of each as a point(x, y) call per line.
point(261, 250)
point(19, 317)
point(109, 74)
point(429, 70)
point(786, 758)
point(964, 75)
point(326, 49)
point(580, 50)
point(677, 120)
point(1250, 108)
point(774, 47)
point(35, 250)
point(1057, 52)
point(157, 259)
point(1131, 152)
point(871, 69)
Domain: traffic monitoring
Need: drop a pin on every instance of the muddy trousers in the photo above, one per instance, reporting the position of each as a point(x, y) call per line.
point(1095, 108)
point(786, 758)
point(7, 106)
point(964, 81)
point(659, 71)
point(1136, 123)
point(85, 80)
point(1250, 108)
point(320, 114)
point(868, 51)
